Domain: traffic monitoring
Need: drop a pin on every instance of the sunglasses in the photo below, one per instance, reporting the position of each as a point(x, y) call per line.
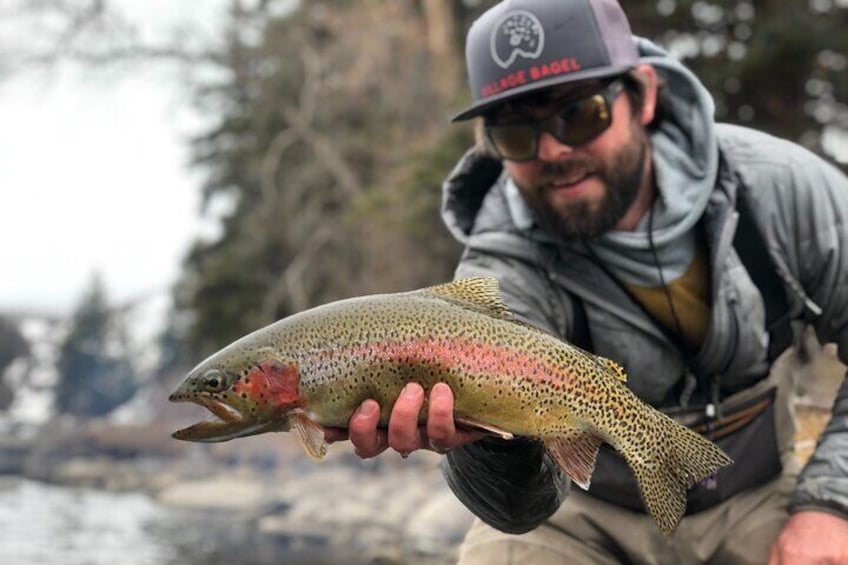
point(575, 123)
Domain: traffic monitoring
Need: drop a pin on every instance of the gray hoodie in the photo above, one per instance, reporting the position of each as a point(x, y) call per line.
point(800, 205)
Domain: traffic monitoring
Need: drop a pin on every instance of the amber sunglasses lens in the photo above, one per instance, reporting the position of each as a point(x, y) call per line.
point(576, 123)
point(582, 121)
point(514, 142)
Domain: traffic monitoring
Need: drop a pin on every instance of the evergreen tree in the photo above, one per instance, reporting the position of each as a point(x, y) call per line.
point(95, 371)
point(12, 346)
point(775, 66)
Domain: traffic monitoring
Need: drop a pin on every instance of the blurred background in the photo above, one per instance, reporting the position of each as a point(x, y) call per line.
point(175, 174)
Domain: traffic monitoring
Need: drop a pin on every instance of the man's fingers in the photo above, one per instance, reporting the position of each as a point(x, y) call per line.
point(404, 435)
point(442, 433)
point(441, 430)
point(332, 435)
point(367, 440)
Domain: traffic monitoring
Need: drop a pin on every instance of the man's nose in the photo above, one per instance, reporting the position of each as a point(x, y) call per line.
point(552, 149)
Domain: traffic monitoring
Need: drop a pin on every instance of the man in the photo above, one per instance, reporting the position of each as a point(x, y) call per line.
point(609, 220)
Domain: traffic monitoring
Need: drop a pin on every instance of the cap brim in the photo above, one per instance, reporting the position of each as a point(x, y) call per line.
point(483, 106)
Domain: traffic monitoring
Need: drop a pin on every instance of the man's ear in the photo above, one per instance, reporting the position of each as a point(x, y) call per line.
point(646, 76)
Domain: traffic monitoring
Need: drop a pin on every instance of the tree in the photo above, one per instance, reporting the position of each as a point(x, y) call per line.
point(13, 345)
point(331, 144)
point(776, 66)
point(95, 371)
point(42, 35)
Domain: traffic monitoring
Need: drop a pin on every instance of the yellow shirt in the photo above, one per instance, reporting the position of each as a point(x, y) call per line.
point(691, 296)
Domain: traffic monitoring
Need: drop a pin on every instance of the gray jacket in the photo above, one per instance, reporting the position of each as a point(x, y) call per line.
point(800, 204)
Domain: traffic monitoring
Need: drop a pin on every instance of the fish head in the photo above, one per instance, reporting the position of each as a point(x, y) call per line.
point(247, 397)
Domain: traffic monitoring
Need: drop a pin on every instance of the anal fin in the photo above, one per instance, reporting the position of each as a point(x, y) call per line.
point(311, 434)
point(575, 452)
point(490, 429)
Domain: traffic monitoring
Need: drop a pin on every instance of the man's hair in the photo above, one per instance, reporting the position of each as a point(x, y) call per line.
point(634, 87)
point(635, 84)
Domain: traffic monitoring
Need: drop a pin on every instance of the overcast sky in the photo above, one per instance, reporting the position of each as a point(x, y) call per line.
point(94, 176)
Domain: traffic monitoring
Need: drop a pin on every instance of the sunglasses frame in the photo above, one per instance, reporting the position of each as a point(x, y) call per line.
point(555, 125)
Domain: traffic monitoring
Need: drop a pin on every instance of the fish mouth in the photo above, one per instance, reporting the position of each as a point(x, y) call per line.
point(230, 422)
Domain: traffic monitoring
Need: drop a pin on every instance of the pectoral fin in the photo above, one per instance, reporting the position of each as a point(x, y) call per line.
point(311, 434)
point(575, 452)
point(468, 422)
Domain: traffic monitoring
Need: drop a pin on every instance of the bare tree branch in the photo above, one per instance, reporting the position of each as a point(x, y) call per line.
point(309, 92)
point(88, 32)
point(326, 152)
point(293, 286)
point(284, 139)
point(270, 166)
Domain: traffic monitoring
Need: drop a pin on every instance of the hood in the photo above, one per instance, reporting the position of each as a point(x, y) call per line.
point(685, 155)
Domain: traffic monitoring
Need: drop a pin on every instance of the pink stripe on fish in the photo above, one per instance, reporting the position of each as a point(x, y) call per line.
point(470, 357)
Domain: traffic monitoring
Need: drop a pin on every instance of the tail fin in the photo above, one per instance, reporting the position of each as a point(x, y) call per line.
point(669, 467)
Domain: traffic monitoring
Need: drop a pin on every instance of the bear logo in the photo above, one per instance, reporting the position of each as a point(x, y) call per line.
point(518, 33)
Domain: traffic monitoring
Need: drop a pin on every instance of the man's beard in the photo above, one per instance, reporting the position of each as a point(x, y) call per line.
point(622, 178)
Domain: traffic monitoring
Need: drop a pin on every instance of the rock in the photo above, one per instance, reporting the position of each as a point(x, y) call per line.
point(219, 493)
point(442, 520)
point(287, 528)
point(84, 472)
point(13, 453)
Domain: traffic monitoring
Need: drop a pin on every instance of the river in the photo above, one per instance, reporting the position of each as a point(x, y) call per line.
point(43, 524)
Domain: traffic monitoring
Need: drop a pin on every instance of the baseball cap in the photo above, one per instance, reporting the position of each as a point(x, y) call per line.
point(520, 46)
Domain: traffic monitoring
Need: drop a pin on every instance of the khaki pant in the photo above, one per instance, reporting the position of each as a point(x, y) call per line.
point(588, 531)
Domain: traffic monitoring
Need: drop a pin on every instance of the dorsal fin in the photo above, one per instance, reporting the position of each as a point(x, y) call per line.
point(616, 369)
point(478, 293)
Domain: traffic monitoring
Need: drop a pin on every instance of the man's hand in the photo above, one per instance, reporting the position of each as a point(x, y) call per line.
point(403, 434)
point(811, 538)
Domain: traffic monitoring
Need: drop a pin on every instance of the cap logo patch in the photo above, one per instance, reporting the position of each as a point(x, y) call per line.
point(518, 33)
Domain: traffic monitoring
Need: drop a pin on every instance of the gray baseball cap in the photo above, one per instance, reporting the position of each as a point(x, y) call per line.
point(520, 46)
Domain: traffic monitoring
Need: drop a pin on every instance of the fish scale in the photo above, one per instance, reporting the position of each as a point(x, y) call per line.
point(508, 378)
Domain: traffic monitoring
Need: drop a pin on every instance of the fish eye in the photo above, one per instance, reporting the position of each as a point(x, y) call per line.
point(214, 380)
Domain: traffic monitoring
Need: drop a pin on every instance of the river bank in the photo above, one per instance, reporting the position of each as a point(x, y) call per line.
point(48, 524)
point(253, 501)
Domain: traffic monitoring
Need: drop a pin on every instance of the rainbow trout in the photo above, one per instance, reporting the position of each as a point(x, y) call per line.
point(314, 368)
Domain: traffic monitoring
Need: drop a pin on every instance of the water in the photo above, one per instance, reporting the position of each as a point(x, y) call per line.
point(43, 524)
